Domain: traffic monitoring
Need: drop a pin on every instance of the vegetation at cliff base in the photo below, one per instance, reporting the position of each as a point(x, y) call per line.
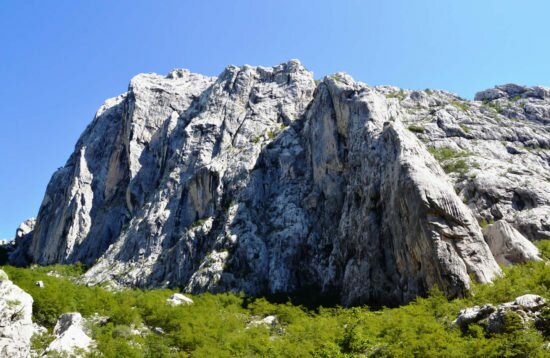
point(141, 324)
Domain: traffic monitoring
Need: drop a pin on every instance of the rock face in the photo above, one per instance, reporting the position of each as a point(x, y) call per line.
point(264, 181)
point(23, 238)
point(70, 335)
point(16, 327)
point(508, 245)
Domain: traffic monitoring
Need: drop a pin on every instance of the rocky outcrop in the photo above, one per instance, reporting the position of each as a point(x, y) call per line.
point(25, 229)
point(401, 228)
point(16, 327)
point(508, 245)
point(263, 181)
point(497, 150)
point(70, 336)
point(504, 318)
point(18, 251)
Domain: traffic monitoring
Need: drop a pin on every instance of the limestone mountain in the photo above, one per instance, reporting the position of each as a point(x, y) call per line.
point(264, 180)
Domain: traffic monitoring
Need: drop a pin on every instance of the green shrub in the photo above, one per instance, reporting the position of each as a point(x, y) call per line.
point(400, 95)
point(197, 223)
point(39, 342)
point(493, 106)
point(484, 223)
point(464, 128)
point(543, 322)
point(451, 159)
point(416, 128)
point(442, 154)
point(512, 322)
point(461, 105)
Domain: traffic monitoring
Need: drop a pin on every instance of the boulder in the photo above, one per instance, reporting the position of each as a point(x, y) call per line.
point(70, 335)
point(530, 302)
point(177, 299)
point(158, 330)
point(473, 314)
point(505, 317)
point(267, 321)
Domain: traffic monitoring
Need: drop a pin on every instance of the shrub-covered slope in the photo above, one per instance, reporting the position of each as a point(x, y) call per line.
point(227, 325)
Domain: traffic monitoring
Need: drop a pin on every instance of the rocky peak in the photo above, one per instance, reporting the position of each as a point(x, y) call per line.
point(25, 228)
point(261, 181)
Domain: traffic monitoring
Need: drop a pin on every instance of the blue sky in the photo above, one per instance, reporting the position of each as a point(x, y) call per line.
point(59, 60)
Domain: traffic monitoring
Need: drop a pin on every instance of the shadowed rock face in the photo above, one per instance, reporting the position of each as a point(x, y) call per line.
point(262, 181)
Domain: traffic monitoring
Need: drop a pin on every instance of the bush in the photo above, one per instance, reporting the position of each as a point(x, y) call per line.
point(543, 322)
point(464, 128)
point(461, 105)
point(416, 128)
point(493, 106)
point(451, 159)
point(400, 95)
point(460, 166)
point(218, 325)
point(512, 322)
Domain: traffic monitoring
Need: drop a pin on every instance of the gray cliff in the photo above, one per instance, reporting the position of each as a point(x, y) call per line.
point(265, 181)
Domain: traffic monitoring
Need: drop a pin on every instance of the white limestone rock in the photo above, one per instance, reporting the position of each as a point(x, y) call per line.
point(530, 302)
point(473, 314)
point(177, 299)
point(25, 228)
point(16, 326)
point(493, 319)
point(262, 181)
point(508, 245)
point(267, 321)
point(70, 336)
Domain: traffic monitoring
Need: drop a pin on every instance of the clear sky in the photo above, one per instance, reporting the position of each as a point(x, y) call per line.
point(59, 60)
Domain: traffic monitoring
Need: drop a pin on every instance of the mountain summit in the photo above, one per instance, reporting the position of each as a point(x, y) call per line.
point(266, 181)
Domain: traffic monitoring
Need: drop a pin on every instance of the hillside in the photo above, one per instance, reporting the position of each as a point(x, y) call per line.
point(136, 323)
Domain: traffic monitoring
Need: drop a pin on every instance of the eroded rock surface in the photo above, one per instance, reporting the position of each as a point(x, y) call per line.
point(18, 251)
point(264, 181)
point(506, 316)
point(508, 245)
point(16, 327)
